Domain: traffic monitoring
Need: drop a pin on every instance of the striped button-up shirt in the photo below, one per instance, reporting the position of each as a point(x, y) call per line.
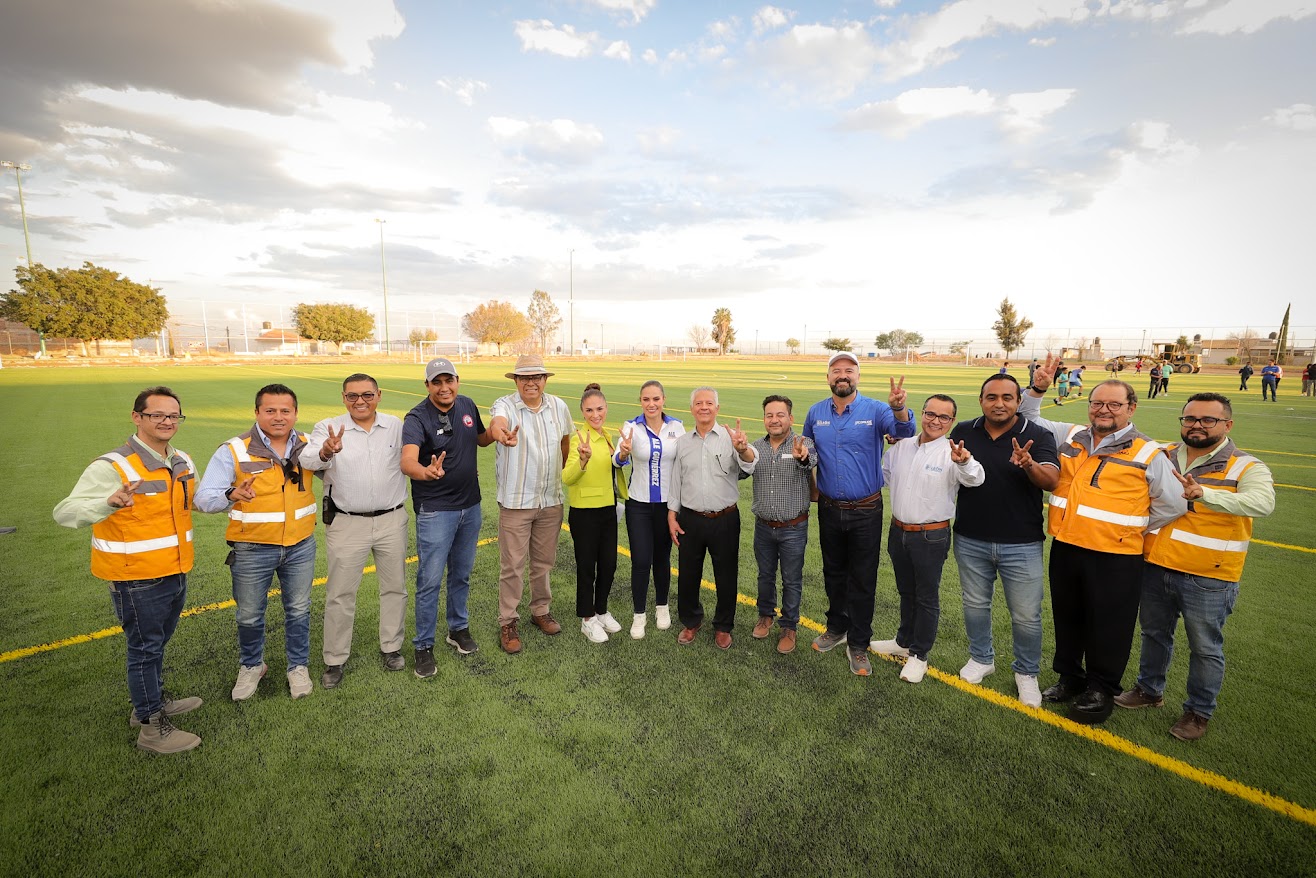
point(781, 483)
point(529, 474)
point(706, 472)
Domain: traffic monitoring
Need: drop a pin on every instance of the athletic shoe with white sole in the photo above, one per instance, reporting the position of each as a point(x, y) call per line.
point(914, 670)
point(593, 630)
point(299, 682)
point(248, 680)
point(890, 647)
point(973, 672)
point(1029, 693)
point(637, 627)
point(610, 625)
point(662, 617)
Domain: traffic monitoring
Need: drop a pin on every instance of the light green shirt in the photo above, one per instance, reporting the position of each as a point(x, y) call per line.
point(1255, 496)
point(591, 487)
point(86, 505)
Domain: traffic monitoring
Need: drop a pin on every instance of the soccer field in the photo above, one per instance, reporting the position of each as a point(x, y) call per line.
point(630, 757)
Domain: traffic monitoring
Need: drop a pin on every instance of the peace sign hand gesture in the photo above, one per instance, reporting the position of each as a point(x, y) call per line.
point(624, 446)
point(123, 498)
point(896, 398)
point(1045, 373)
point(1191, 489)
point(583, 448)
point(333, 444)
point(1020, 456)
point(959, 454)
point(799, 450)
point(738, 440)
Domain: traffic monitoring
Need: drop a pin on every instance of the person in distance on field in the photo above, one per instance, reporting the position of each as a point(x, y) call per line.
point(135, 500)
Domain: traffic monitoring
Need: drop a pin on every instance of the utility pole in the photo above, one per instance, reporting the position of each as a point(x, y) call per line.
point(27, 239)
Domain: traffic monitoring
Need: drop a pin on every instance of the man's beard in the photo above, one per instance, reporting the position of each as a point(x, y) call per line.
point(848, 391)
point(1198, 441)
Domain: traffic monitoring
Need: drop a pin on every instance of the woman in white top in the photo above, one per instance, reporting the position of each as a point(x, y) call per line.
point(647, 445)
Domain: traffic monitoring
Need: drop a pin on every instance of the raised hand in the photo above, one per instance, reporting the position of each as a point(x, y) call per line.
point(738, 440)
point(583, 448)
point(243, 492)
point(959, 454)
point(1044, 374)
point(435, 470)
point(1020, 456)
point(509, 437)
point(624, 446)
point(123, 498)
point(1191, 489)
point(799, 450)
point(333, 444)
point(896, 398)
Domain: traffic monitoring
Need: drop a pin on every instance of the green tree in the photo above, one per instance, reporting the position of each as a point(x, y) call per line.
point(416, 336)
point(1182, 344)
point(724, 335)
point(544, 317)
point(333, 323)
point(1282, 343)
point(89, 303)
point(897, 341)
point(1011, 327)
point(793, 345)
point(836, 344)
point(497, 323)
point(960, 346)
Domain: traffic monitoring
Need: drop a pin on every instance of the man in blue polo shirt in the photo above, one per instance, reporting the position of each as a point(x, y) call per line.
point(439, 441)
point(848, 431)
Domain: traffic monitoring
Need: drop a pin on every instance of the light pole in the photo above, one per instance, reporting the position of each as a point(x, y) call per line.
point(383, 276)
point(27, 240)
point(571, 300)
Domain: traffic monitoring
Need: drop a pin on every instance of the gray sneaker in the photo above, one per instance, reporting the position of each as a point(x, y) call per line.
point(158, 735)
point(859, 665)
point(170, 705)
point(828, 640)
point(462, 640)
point(393, 661)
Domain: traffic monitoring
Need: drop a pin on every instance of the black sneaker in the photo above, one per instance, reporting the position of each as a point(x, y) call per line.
point(425, 666)
point(462, 640)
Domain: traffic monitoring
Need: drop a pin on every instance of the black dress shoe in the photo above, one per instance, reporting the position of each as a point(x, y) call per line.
point(332, 676)
point(1062, 692)
point(1091, 708)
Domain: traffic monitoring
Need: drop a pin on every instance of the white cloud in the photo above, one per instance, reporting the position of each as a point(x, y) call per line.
point(543, 36)
point(649, 56)
point(1298, 117)
point(824, 59)
point(1248, 16)
point(637, 9)
point(1043, 42)
point(463, 89)
point(560, 141)
point(356, 25)
point(619, 49)
point(1023, 112)
point(771, 18)
point(1019, 113)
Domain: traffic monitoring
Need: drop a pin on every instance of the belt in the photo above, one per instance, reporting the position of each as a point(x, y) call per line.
point(796, 520)
point(915, 528)
point(718, 514)
point(376, 513)
point(870, 502)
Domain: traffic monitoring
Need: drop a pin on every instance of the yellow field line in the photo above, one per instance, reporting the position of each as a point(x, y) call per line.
point(1296, 487)
point(1100, 736)
point(1284, 546)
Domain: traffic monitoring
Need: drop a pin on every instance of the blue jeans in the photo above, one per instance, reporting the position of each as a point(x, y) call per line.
point(1019, 566)
point(784, 546)
point(1204, 604)
point(254, 568)
point(148, 610)
point(917, 559)
point(444, 539)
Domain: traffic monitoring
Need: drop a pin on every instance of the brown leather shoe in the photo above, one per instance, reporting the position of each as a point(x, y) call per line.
point(546, 623)
point(763, 628)
point(1190, 726)
point(722, 639)
point(787, 642)
point(687, 636)
point(509, 639)
point(1136, 699)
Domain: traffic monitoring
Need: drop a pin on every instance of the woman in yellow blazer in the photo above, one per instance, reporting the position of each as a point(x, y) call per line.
point(589, 477)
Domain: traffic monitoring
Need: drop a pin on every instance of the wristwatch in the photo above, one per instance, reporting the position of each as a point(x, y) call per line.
point(228, 495)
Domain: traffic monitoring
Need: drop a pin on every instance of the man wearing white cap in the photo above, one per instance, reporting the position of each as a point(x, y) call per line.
point(533, 430)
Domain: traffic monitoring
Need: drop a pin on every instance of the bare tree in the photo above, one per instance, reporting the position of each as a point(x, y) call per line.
point(699, 335)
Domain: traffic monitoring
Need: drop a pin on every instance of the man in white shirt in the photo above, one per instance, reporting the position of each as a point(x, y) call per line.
point(358, 454)
point(925, 474)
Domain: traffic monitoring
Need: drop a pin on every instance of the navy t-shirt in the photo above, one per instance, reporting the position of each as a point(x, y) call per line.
point(1006, 507)
point(454, 431)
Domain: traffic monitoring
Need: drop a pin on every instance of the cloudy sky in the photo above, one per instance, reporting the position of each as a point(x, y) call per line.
point(848, 167)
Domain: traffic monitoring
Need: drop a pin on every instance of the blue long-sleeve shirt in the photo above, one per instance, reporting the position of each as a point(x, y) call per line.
point(850, 445)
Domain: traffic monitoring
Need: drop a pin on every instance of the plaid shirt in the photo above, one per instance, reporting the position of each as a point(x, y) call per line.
point(781, 483)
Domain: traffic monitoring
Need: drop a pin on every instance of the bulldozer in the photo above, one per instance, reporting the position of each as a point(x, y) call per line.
point(1167, 354)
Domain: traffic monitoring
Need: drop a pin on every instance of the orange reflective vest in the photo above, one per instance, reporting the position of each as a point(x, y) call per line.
point(153, 537)
point(1102, 501)
point(283, 513)
point(1204, 541)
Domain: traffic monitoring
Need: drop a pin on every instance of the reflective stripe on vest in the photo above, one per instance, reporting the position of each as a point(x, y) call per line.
point(281, 514)
point(1102, 500)
point(142, 541)
point(136, 547)
point(116, 457)
point(1112, 517)
point(1203, 541)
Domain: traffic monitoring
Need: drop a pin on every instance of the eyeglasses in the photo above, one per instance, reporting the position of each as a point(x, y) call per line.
point(538, 379)
point(1208, 423)
point(1111, 407)
point(157, 417)
point(940, 419)
point(368, 396)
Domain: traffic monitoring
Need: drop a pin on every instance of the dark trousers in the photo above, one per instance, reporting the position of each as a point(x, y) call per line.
point(148, 609)
point(651, 549)
point(851, 544)
point(594, 537)
point(720, 538)
point(1153, 387)
point(917, 558)
point(1094, 604)
point(1269, 384)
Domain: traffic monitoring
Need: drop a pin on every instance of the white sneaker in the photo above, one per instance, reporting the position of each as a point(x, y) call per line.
point(299, 682)
point(593, 630)
point(890, 647)
point(637, 627)
point(973, 672)
point(610, 625)
point(248, 680)
point(662, 616)
point(914, 670)
point(1029, 694)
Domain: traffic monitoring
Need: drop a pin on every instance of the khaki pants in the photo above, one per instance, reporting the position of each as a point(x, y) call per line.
point(349, 542)
point(522, 533)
